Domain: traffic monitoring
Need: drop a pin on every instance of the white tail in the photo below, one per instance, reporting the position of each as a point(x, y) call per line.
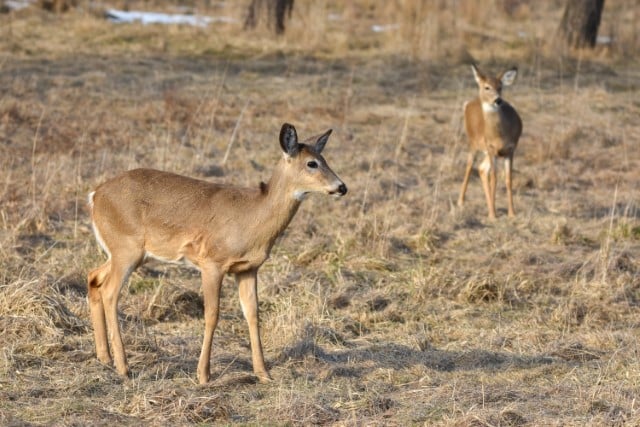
point(493, 127)
point(220, 229)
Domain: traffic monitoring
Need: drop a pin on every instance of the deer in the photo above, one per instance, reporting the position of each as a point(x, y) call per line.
point(219, 228)
point(493, 127)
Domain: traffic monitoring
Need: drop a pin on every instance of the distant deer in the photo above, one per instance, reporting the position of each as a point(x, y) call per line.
point(493, 126)
point(221, 229)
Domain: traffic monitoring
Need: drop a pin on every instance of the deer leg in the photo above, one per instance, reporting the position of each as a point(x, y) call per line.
point(248, 287)
point(492, 184)
point(119, 274)
point(485, 171)
point(211, 284)
point(465, 181)
point(508, 166)
point(96, 279)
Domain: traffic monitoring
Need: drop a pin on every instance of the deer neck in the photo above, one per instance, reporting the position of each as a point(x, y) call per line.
point(493, 119)
point(279, 204)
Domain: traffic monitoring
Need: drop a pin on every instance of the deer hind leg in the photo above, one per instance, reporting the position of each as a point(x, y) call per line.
point(488, 176)
point(508, 166)
point(248, 287)
point(465, 181)
point(120, 272)
point(96, 279)
point(105, 283)
point(211, 284)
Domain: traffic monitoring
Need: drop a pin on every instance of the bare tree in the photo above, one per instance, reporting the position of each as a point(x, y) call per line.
point(274, 11)
point(580, 22)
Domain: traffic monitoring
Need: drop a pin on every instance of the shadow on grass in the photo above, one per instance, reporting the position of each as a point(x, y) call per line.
point(398, 357)
point(354, 361)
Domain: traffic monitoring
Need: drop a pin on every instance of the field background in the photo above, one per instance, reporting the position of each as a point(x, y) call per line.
point(391, 306)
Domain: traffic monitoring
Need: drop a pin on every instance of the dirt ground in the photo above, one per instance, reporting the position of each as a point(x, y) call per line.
point(390, 306)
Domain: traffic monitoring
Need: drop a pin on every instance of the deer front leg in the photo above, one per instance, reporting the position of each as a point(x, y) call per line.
point(465, 181)
point(492, 183)
point(211, 284)
point(487, 174)
point(248, 287)
point(508, 166)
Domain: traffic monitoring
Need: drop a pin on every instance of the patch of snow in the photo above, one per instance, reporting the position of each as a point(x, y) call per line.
point(121, 16)
point(384, 28)
point(604, 40)
point(18, 4)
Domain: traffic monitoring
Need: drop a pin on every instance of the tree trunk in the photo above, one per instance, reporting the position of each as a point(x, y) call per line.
point(273, 11)
point(580, 22)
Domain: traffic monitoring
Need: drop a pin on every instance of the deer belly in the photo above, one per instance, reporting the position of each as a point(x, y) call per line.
point(248, 261)
point(500, 147)
point(173, 250)
point(179, 259)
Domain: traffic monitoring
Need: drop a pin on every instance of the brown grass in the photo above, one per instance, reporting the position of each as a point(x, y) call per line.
point(389, 307)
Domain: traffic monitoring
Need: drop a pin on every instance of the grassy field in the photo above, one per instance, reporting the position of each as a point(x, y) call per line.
point(390, 306)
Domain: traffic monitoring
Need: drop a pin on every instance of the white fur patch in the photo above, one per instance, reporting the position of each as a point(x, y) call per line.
point(100, 240)
point(299, 195)
point(244, 310)
point(96, 232)
point(489, 108)
point(486, 164)
point(180, 261)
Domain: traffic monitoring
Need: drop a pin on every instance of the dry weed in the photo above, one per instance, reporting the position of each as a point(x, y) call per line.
point(389, 307)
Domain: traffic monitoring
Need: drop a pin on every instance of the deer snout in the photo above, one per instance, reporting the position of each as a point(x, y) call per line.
point(498, 101)
point(340, 191)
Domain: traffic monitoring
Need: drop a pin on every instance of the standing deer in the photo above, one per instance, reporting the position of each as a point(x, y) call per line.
point(493, 126)
point(221, 229)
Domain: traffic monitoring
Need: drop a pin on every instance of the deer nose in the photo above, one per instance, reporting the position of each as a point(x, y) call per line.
point(498, 101)
point(342, 189)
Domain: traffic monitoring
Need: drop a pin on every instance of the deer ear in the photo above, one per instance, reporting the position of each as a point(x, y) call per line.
point(476, 73)
point(508, 77)
point(289, 140)
point(322, 141)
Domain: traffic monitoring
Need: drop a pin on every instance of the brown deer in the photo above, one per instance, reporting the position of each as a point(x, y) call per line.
point(493, 127)
point(145, 213)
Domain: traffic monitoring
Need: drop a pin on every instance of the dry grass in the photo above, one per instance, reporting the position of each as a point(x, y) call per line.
point(389, 307)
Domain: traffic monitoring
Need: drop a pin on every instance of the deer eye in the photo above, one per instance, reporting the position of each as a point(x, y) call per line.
point(487, 88)
point(312, 164)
